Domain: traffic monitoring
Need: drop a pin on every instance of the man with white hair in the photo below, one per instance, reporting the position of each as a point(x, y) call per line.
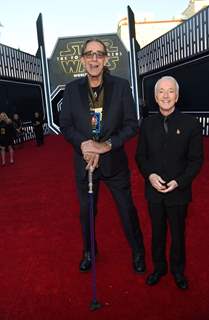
point(169, 156)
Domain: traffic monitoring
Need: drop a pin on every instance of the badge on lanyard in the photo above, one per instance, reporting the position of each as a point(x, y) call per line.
point(95, 122)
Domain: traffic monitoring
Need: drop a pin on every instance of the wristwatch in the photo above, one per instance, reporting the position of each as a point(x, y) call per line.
point(109, 142)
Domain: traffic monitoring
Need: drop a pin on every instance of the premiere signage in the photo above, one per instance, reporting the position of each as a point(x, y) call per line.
point(65, 64)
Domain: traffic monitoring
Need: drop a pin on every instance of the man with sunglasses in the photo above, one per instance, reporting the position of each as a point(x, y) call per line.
point(97, 117)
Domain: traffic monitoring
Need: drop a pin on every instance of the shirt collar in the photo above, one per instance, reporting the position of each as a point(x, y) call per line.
point(170, 116)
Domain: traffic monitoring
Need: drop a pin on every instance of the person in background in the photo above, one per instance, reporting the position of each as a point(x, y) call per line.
point(18, 129)
point(97, 117)
point(169, 156)
point(37, 123)
point(6, 138)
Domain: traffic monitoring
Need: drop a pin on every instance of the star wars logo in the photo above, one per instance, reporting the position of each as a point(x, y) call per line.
point(69, 58)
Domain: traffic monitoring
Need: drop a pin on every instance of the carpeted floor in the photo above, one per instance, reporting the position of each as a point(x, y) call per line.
point(40, 246)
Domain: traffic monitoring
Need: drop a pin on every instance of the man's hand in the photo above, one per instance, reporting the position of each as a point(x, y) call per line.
point(160, 185)
point(170, 186)
point(91, 146)
point(92, 160)
point(157, 182)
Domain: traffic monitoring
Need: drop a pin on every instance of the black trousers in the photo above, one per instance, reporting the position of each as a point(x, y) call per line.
point(39, 134)
point(174, 216)
point(119, 185)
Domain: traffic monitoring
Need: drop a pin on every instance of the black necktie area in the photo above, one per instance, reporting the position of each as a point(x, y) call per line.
point(165, 124)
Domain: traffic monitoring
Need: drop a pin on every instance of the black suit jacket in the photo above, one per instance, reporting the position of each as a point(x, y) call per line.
point(176, 155)
point(119, 121)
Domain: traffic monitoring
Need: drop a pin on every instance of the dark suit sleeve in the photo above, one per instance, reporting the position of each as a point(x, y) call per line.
point(141, 156)
point(194, 156)
point(66, 121)
point(129, 126)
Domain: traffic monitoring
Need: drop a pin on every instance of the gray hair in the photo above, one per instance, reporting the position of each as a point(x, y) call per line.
point(93, 40)
point(167, 78)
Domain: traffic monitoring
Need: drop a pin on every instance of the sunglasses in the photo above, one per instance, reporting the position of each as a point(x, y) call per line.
point(91, 54)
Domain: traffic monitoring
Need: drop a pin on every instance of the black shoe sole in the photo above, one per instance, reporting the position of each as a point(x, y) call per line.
point(85, 271)
point(140, 272)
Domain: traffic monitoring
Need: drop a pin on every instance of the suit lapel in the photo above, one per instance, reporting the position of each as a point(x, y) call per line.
point(83, 91)
point(108, 92)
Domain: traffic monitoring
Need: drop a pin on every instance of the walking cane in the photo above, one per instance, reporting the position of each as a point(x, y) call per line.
point(94, 304)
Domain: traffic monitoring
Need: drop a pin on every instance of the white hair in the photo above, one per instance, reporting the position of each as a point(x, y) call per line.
point(167, 78)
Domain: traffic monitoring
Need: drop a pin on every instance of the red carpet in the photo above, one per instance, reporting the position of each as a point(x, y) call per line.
point(40, 247)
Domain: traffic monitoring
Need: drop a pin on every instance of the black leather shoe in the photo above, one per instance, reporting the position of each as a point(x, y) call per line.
point(154, 278)
point(85, 264)
point(180, 281)
point(139, 263)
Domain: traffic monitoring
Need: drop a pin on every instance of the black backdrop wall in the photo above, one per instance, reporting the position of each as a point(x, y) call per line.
point(21, 97)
